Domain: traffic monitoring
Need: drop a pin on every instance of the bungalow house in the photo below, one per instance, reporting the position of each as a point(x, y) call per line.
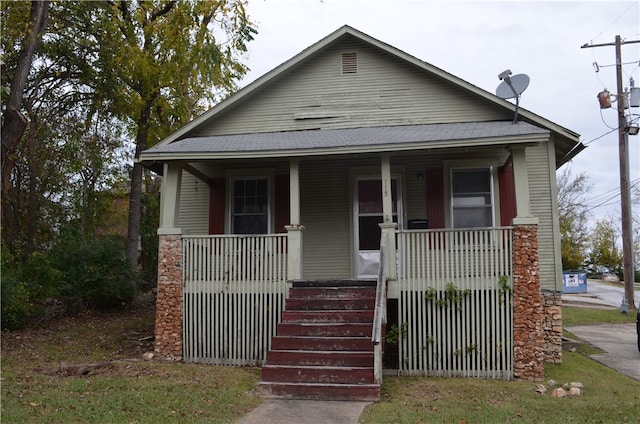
point(356, 200)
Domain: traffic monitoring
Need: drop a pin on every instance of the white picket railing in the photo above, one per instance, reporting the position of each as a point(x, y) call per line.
point(454, 309)
point(234, 289)
point(455, 305)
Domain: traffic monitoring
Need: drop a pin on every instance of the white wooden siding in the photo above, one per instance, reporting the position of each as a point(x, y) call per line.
point(385, 91)
point(542, 208)
point(193, 215)
point(325, 210)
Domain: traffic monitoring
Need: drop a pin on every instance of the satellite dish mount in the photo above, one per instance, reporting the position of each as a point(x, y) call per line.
point(512, 87)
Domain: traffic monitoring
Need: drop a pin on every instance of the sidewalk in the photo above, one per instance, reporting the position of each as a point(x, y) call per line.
point(618, 342)
point(284, 411)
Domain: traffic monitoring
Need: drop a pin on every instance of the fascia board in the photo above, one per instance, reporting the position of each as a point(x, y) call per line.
point(160, 157)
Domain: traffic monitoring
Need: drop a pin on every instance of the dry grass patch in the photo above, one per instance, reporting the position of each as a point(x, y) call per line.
point(90, 369)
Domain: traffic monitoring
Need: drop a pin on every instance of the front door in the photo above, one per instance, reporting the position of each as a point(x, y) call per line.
point(367, 216)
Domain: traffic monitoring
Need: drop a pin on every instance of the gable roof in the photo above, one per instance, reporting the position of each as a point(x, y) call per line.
point(567, 141)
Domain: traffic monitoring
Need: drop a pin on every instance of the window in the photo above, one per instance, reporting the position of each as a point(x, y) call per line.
point(471, 205)
point(369, 211)
point(250, 206)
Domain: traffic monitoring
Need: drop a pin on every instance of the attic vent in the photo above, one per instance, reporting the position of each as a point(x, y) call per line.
point(349, 63)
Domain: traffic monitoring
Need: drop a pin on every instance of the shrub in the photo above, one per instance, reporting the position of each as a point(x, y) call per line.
point(16, 307)
point(28, 289)
point(96, 274)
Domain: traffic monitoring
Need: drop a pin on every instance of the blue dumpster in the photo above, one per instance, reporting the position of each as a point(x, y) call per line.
point(574, 282)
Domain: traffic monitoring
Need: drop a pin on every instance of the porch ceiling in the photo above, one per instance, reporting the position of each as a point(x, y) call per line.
point(345, 141)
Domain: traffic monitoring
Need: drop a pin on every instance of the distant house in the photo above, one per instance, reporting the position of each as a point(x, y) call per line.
point(301, 174)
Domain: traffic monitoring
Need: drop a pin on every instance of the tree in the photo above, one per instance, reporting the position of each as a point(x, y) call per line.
point(142, 67)
point(572, 194)
point(66, 155)
point(14, 121)
point(160, 64)
point(604, 246)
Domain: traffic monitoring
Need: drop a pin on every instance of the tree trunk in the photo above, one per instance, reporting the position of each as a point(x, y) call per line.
point(14, 122)
point(135, 194)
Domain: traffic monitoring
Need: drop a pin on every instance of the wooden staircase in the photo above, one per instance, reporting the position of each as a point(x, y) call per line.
point(322, 348)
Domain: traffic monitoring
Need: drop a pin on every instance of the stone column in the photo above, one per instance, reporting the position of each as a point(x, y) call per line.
point(528, 318)
point(168, 330)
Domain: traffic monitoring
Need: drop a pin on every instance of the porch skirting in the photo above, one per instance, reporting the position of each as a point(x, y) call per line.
point(528, 312)
point(168, 328)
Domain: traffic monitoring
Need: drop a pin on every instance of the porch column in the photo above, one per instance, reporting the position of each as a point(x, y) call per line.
point(528, 314)
point(294, 229)
point(170, 199)
point(521, 185)
point(168, 327)
point(388, 227)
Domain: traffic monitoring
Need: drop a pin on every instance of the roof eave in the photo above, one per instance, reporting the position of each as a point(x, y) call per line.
point(148, 158)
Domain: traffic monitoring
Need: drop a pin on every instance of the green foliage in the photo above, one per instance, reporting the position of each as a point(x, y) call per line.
point(395, 334)
point(76, 275)
point(450, 297)
point(16, 308)
point(96, 273)
point(604, 247)
point(28, 290)
point(108, 79)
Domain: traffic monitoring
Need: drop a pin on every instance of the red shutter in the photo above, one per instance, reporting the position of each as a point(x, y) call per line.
point(507, 195)
point(435, 198)
point(282, 203)
point(216, 206)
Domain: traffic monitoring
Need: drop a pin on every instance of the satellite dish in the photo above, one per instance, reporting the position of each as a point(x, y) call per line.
point(512, 87)
point(519, 83)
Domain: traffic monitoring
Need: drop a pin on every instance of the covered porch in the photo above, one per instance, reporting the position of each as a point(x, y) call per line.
point(463, 296)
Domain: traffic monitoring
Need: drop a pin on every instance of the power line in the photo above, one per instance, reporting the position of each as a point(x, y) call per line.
point(586, 143)
point(614, 196)
point(615, 20)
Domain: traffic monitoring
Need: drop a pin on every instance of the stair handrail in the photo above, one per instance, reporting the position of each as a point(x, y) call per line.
point(380, 312)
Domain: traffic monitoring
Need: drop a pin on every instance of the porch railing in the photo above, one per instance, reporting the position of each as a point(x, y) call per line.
point(234, 289)
point(455, 304)
point(380, 313)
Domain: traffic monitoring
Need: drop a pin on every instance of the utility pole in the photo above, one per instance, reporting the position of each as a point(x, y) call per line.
point(625, 190)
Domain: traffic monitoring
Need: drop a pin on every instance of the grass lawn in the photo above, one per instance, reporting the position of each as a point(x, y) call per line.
point(89, 369)
point(608, 396)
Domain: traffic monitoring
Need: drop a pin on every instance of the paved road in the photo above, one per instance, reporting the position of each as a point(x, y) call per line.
point(610, 293)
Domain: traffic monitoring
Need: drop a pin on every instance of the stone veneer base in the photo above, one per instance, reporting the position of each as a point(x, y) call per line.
point(528, 314)
point(552, 305)
point(168, 329)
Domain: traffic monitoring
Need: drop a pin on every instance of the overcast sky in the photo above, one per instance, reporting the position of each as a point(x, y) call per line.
point(477, 40)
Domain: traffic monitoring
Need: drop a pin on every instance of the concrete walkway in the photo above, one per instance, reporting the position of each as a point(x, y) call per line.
point(619, 342)
point(283, 411)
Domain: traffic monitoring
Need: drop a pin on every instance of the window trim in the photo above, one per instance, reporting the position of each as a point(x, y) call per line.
point(250, 175)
